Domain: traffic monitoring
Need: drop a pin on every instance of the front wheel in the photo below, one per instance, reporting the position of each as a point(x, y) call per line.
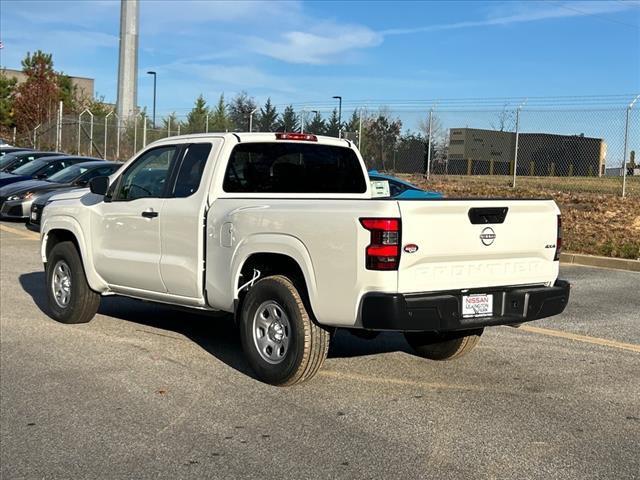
point(443, 346)
point(71, 300)
point(283, 345)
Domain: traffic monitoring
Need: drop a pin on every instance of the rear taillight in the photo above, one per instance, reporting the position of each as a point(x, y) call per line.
point(305, 137)
point(383, 253)
point(559, 239)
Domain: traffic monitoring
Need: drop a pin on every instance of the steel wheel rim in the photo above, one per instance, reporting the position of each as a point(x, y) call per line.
point(61, 284)
point(271, 331)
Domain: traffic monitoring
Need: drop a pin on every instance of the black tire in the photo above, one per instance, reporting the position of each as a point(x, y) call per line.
point(82, 302)
point(308, 342)
point(443, 346)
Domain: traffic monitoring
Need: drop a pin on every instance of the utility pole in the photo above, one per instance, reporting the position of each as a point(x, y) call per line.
point(339, 98)
point(515, 154)
point(626, 146)
point(127, 102)
point(154, 96)
point(429, 143)
point(250, 119)
point(360, 129)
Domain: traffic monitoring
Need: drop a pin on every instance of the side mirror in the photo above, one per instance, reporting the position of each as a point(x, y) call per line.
point(99, 185)
point(41, 176)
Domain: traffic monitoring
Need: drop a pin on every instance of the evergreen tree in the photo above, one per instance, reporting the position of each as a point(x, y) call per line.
point(316, 125)
point(68, 93)
point(381, 135)
point(353, 125)
point(289, 120)
point(268, 118)
point(36, 99)
point(219, 119)
point(239, 110)
point(197, 117)
point(170, 124)
point(7, 90)
point(333, 125)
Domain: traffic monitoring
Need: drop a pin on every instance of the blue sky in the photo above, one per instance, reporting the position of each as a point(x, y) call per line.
point(306, 52)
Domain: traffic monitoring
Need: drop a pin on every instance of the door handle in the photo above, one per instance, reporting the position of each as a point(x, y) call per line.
point(149, 214)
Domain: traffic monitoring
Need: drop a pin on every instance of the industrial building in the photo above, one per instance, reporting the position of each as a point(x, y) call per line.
point(475, 151)
point(84, 85)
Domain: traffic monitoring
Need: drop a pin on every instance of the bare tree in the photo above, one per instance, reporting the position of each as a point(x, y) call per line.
point(505, 121)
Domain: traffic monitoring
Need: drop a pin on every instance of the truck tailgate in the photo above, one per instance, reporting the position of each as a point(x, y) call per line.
point(462, 245)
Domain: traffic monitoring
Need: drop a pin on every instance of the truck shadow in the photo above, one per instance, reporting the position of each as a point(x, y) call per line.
point(215, 333)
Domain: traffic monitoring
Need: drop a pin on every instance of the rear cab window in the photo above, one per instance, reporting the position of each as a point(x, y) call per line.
point(293, 167)
point(191, 168)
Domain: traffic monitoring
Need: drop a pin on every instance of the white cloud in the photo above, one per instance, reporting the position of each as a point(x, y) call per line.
point(70, 12)
point(525, 12)
point(168, 17)
point(238, 77)
point(317, 48)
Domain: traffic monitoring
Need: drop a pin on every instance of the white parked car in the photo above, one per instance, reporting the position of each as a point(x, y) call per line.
point(281, 230)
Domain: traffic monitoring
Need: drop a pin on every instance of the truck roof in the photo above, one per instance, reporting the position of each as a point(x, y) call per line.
point(241, 137)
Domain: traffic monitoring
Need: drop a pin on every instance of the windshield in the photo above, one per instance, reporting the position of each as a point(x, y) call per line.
point(67, 175)
point(30, 168)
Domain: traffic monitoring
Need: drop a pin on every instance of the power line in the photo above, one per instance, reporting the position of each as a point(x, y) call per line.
point(598, 15)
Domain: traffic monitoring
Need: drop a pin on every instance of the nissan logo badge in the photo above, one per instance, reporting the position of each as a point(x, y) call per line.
point(487, 236)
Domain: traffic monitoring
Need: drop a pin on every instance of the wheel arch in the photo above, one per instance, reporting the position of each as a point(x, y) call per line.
point(62, 229)
point(274, 255)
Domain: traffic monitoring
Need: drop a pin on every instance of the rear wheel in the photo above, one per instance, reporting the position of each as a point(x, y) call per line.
point(71, 300)
point(443, 346)
point(283, 345)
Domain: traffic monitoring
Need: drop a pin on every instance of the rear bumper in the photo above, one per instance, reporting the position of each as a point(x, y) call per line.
point(441, 312)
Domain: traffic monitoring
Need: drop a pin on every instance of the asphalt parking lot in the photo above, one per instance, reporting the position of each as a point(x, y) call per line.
point(144, 391)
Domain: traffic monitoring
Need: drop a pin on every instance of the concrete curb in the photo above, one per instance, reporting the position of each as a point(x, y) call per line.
point(605, 262)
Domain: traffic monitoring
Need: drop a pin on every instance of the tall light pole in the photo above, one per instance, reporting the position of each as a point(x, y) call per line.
point(339, 98)
point(154, 96)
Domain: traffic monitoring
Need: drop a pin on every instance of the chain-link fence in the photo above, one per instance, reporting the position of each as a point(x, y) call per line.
point(570, 146)
point(571, 149)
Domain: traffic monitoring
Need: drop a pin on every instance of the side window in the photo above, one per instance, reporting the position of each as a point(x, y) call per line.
point(96, 172)
point(396, 188)
point(19, 163)
point(191, 168)
point(50, 169)
point(147, 176)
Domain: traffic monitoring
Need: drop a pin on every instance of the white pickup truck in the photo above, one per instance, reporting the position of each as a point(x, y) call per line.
point(281, 230)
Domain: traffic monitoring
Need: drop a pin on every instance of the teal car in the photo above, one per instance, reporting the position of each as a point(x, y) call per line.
point(403, 190)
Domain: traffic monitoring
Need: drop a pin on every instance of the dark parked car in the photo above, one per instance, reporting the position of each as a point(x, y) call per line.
point(41, 168)
point(16, 198)
point(9, 149)
point(12, 161)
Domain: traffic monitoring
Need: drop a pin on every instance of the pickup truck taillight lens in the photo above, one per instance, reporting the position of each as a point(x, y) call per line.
point(383, 252)
point(559, 239)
